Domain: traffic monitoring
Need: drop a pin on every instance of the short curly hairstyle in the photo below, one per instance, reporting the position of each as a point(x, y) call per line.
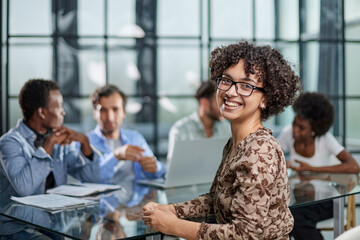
point(317, 109)
point(281, 84)
point(35, 94)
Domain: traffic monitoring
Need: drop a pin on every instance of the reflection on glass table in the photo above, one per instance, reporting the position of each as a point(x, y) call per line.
point(310, 187)
point(118, 214)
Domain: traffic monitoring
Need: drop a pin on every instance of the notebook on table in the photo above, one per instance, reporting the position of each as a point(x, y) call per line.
point(192, 162)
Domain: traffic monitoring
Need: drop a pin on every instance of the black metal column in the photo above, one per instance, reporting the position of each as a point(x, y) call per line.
point(1, 72)
point(146, 62)
point(330, 67)
point(65, 55)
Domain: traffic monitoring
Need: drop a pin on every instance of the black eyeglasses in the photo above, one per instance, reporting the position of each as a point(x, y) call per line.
point(242, 88)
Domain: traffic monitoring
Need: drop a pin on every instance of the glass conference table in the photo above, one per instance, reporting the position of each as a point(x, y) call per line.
point(118, 214)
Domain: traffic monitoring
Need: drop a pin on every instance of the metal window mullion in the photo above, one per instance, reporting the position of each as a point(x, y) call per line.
point(106, 39)
point(209, 30)
point(253, 21)
point(201, 39)
point(155, 89)
point(7, 121)
point(1, 65)
point(343, 71)
point(55, 42)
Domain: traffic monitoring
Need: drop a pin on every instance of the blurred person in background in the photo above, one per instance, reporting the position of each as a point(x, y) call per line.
point(126, 156)
point(312, 148)
point(39, 153)
point(205, 122)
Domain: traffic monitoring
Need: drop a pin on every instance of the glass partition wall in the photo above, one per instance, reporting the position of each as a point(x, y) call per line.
point(157, 52)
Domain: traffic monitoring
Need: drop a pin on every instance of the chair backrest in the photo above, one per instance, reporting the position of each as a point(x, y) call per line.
point(350, 213)
point(352, 234)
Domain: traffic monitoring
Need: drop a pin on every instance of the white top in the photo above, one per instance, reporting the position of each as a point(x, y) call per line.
point(124, 170)
point(326, 149)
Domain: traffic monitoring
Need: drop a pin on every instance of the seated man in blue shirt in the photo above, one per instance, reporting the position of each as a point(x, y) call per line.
point(125, 154)
point(38, 153)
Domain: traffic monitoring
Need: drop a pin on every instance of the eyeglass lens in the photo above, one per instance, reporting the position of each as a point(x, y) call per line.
point(242, 88)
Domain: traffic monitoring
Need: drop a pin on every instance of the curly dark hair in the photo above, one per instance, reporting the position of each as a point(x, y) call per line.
point(280, 82)
point(106, 91)
point(317, 109)
point(35, 94)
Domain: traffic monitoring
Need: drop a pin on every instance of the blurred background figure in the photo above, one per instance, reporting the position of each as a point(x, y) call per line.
point(125, 153)
point(205, 122)
point(309, 144)
point(40, 151)
point(311, 148)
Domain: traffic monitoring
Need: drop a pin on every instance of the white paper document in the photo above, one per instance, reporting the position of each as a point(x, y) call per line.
point(53, 202)
point(82, 189)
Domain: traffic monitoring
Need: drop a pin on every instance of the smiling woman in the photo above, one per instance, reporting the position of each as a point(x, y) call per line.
point(237, 103)
point(267, 65)
point(249, 195)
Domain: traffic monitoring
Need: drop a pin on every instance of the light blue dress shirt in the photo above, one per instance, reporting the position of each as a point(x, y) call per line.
point(108, 161)
point(27, 167)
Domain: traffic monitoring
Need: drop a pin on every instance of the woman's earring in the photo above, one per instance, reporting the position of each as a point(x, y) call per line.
point(263, 106)
point(312, 134)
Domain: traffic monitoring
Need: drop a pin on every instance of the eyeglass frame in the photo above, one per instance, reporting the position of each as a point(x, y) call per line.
point(218, 79)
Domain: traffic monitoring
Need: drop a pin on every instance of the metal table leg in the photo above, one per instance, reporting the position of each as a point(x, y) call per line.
point(338, 216)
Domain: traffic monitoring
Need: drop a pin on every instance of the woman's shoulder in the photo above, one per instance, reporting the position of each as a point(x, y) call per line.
point(259, 147)
point(262, 135)
point(262, 138)
point(327, 136)
point(328, 141)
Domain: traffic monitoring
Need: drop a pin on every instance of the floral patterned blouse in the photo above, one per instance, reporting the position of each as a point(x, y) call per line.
point(249, 195)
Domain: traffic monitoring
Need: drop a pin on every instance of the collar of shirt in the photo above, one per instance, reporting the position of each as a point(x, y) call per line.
point(196, 117)
point(26, 132)
point(123, 137)
point(39, 137)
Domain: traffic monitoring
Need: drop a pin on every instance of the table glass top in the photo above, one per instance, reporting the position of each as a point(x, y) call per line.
point(118, 214)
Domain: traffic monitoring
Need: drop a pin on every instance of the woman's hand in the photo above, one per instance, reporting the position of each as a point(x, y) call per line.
point(161, 219)
point(302, 166)
point(153, 205)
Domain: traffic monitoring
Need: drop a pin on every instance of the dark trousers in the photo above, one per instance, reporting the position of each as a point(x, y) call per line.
point(306, 217)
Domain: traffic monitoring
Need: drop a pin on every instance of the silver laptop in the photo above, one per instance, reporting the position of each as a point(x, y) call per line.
point(192, 162)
